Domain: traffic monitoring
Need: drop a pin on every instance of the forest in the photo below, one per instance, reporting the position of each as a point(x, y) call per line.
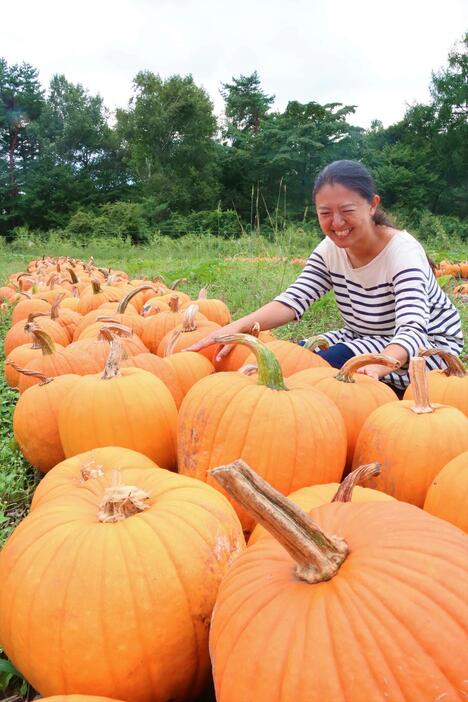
point(167, 163)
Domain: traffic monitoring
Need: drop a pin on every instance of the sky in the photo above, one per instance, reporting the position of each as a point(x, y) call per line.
point(376, 55)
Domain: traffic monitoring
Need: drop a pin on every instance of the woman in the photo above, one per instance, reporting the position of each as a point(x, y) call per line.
point(385, 289)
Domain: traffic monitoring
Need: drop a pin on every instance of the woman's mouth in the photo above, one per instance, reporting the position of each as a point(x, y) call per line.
point(342, 233)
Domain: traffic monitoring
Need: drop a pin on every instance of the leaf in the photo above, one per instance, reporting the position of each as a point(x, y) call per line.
point(9, 668)
point(444, 279)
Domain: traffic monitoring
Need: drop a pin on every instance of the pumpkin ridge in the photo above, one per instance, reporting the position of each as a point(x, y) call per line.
point(405, 626)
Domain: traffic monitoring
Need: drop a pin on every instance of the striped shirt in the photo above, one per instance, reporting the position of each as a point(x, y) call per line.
point(393, 299)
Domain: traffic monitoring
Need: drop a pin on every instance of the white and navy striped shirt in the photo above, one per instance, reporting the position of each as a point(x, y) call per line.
point(395, 298)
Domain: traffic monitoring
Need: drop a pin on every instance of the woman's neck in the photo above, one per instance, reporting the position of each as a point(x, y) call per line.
point(364, 252)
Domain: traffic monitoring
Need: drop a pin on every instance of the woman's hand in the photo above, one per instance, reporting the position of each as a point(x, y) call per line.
point(209, 339)
point(375, 370)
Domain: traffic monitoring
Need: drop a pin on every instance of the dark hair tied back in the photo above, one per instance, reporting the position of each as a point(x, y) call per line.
point(356, 177)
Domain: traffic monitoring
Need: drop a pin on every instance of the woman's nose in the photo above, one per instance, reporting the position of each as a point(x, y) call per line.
point(337, 220)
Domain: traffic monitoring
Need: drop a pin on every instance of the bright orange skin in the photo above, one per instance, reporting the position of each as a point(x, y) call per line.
point(35, 422)
point(122, 609)
point(292, 357)
point(310, 497)
point(16, 335)
point(447, 496)
point(412, 448)
point(188, 367)
point(157, 326)
point(153, 364)
point(77, 698)
point(51, 365)
point(26, 306)
point(355, 400)
point(68, 474)
point(391, 625)
point(91, 301)
point(448, 390)
point(292, 438)
point(21, 355)
point(187, 338)
point(134, 410)
point(236, 358)
point(213, 309)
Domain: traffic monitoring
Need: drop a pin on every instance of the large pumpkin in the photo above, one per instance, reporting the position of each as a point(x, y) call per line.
point(109, 590)
point(412, 440)
point(447, 496)
point(77, 698)
point(130, 408)
point(356, 395)
point(293, 435)
point(359, 602)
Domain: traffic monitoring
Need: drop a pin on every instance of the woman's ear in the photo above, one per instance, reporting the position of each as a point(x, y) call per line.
point(374, 204)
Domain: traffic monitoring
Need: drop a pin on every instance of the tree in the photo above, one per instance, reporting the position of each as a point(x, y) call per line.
point(168, 135)
point(21, 102)
point(246, 104)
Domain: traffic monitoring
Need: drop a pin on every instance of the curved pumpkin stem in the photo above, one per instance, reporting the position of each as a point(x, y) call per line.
point(348, 369)
point(171, 342)
point(44, 341)
point(177, 282)
point(112, 367)
point(356, 477)
point(44, 379)
point(54, 310)
point(313, 341)
point(269, 369)
point(318, 556)
point(188, 319)
point(454, 364)
point(122, 306)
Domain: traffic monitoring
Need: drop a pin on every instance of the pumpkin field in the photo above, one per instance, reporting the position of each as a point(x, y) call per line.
point(262, 528)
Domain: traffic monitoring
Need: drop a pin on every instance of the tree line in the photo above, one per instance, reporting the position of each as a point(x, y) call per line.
point(166, 158)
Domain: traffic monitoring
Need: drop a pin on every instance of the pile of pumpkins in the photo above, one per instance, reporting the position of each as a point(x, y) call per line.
point(131, 580)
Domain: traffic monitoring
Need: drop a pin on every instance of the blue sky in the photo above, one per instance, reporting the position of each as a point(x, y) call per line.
point(378, 56)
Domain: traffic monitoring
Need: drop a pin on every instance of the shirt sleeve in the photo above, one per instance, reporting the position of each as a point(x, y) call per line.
point(412, 309)
point(312, 283)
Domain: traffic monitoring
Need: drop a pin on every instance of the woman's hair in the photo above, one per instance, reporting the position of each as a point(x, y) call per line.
point(355, 176)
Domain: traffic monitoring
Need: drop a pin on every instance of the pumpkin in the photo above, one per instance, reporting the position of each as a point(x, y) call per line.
point(157, 326)
point(20, 333)
point(213, 309)
point(293, 435)
point(236, 357)
point(153, 364)
point(356, 395)
point(77, 698)
point(292, 357)
point(29, 306)
point(66, 317)
point(75, 471)
point(120, 579)
point(352, 603)
point(448, 386)
point(412, 440)
point(447, 496)
point(125, 407)
point(188, 368)
point(188, 332)
point(35, 419)
point(93, 296)
point(51, 361)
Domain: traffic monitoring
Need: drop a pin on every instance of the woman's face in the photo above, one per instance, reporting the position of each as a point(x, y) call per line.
point(344, 215)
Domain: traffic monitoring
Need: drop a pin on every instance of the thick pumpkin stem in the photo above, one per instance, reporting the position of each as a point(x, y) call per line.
point(203, 294)
point(269, 369)
point(171, 342)
point(121, 501)
point(45, 342)
point(255, 331)
point(313, 341)
point(96, 285)
point(318, 556)
point(54, 310)
point(122, 306)
point(418, 379)
point(174, 303)
point(356, 477)
point(114, 359)
point(348, 369)
point(188, 320)
point(177, 282)
point(454, 364)
point(73, 276)
point(117, 328)
point(91, 470)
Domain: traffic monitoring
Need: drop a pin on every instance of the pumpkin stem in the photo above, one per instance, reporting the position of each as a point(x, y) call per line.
point(347, 370)
point(96, 285)
point(46, 343)
point(177, 282)
point(174, 303)
point(313, 341)
point(112, 367)
point(31, 373)
point(203, 294)
point(188, 319)
point(121, 501)
point(54, 310)
point(356, 477)
point(122, 306)
point(318, 556)
point(454, 364)
point(90, 470)
point(269, 369)
point(171, 342)
point(418, 379)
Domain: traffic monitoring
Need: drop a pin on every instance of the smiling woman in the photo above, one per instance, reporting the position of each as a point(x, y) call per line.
point(387, 295)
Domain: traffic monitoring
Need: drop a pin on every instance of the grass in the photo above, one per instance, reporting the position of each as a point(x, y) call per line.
point(202, 261)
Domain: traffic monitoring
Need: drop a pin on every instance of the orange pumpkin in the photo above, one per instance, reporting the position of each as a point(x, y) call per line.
point(130, 408)
point(448, 386)
point(77, 470)
point(293, 434)
point(20, 333)
point(157, 326)
point(447, 496)
point(356, 395)
point(190, 330)
point(236, 358)
point(292, 357)
point(153, 364)
point(77, 698)
point(29, 306)
point(136, 566)
point(51, 361)
point(213, 309)
point(356, 602)
point(188, 368)
point(412, 440)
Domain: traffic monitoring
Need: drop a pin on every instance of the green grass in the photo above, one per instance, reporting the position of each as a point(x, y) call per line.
point(201, 259)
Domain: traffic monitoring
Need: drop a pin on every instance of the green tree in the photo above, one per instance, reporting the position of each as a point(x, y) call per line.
point(168, 135)
point(246, 104)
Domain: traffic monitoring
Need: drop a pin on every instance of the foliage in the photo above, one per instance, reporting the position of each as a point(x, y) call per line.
point(219, 222)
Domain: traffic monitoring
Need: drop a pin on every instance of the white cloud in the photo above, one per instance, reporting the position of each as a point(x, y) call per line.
point(374, 55)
